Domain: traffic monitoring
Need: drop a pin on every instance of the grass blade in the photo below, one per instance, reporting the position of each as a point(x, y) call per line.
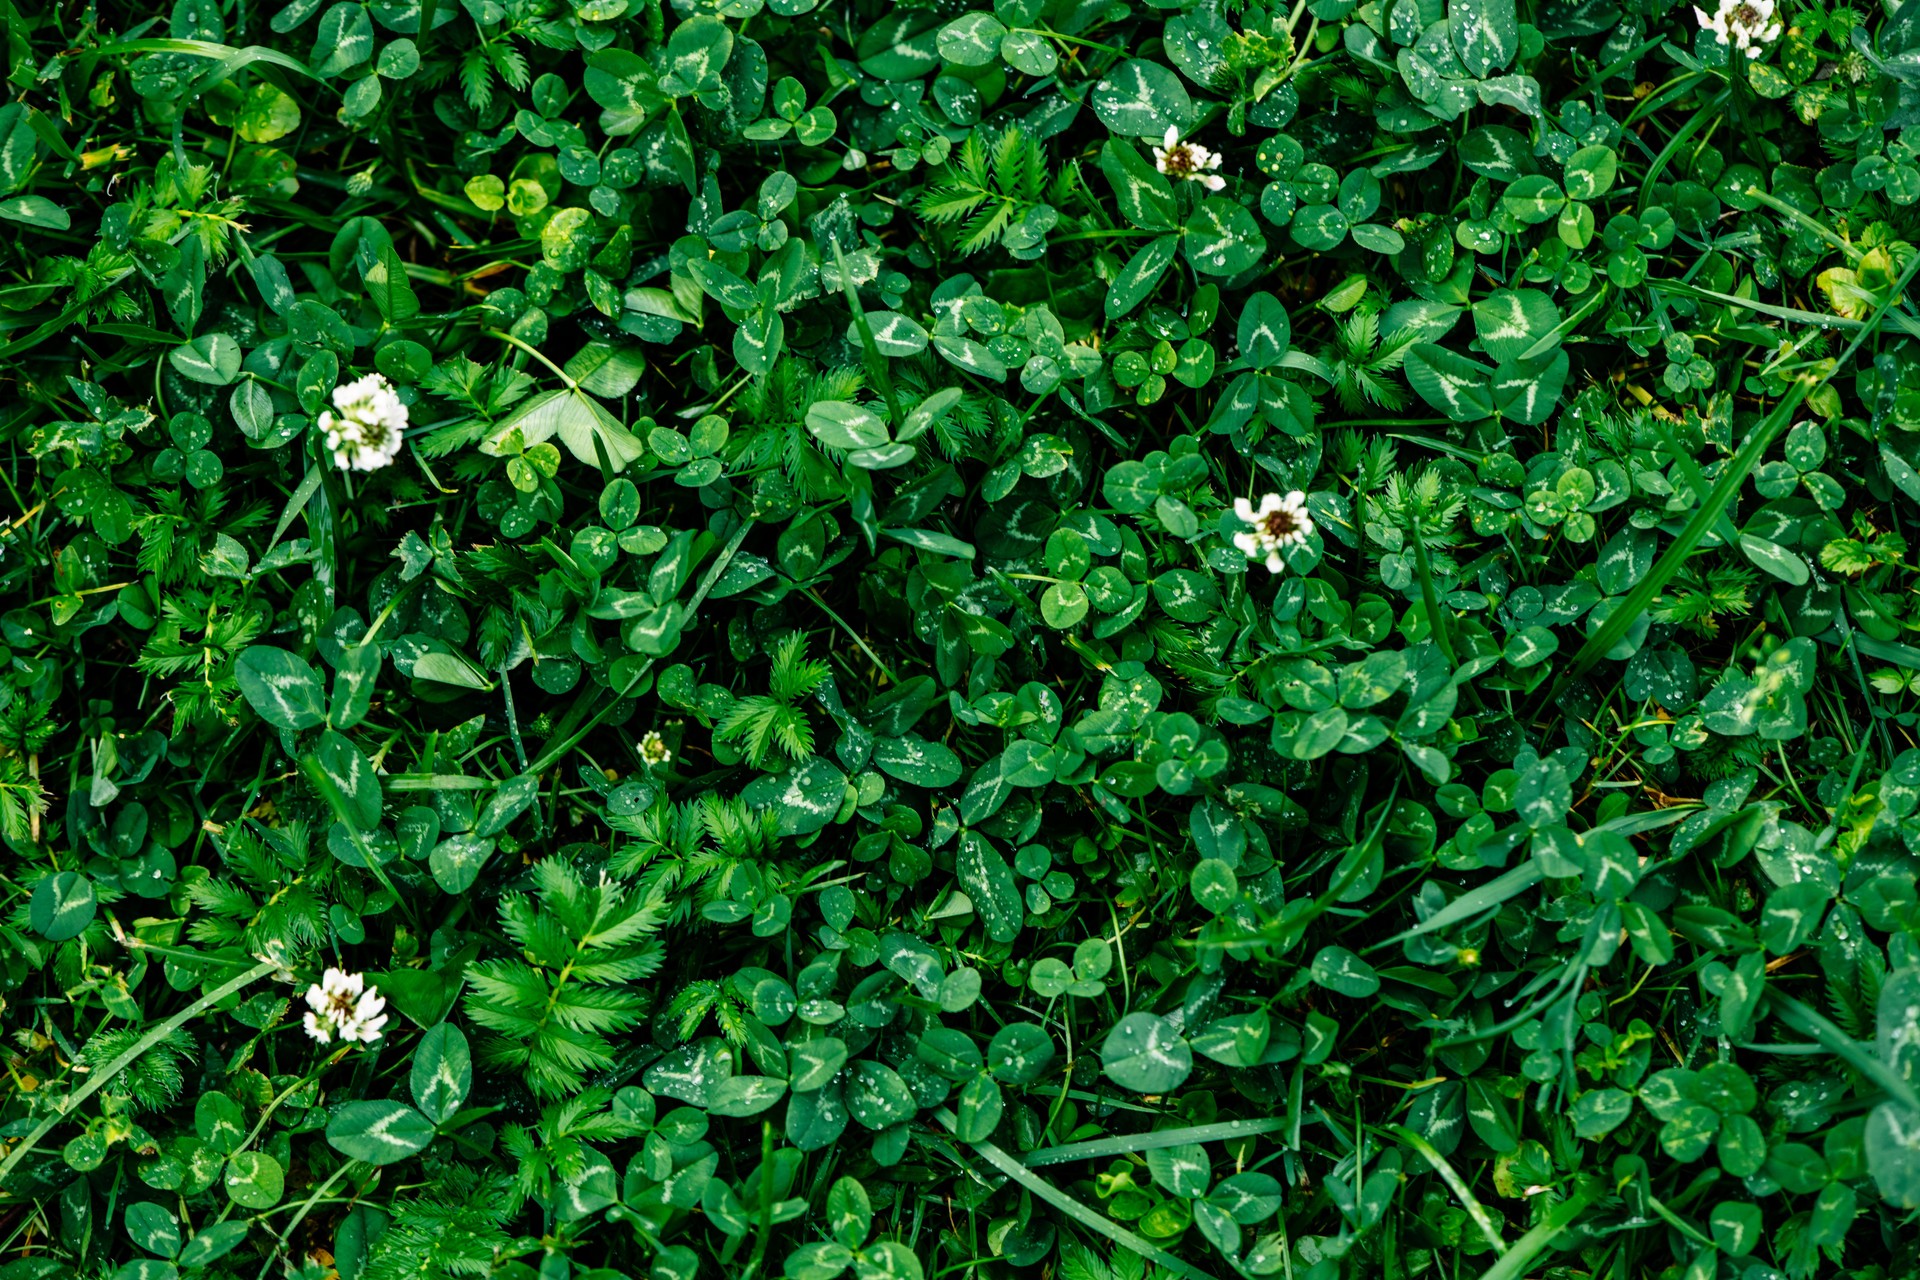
point(1717, 503)
point(1534, 1243)
point(1098, 1223)
point(1461, 1191)
point(1097, 1148)
point(101, 1078)
point(1841, 1045)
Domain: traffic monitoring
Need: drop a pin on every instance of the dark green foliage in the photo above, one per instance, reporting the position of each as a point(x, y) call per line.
point(959, 639)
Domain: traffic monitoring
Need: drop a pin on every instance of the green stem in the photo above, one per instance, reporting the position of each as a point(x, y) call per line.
point(560, 373)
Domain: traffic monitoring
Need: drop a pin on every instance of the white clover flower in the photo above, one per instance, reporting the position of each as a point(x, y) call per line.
point(1278, 522)
point(342, 1004)
point(365, 432)
point(654, 751)
point(1188, 160)
point(1744, 24)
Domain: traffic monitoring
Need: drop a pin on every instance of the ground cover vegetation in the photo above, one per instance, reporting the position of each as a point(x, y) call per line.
point(1078, 638)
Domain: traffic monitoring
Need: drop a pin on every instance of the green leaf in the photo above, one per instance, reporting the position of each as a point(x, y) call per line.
point(972, 39)
point(605, 368)
point(153, 1228)
point(212, 358)
point(442, 1073)
point(745, 1095)
point(35, 211)
point(804, 799)
point(1144, 1054)
point(1139, 99)
point(1776, 559)
point(345, 779)
point(456, 861)
point(378, 1132)
point(1338, 969)
point(1590, 172)
point(1527, 390)
point(1139, 277)
point(1453, 384)
point(283, 690)
point(255, 1180)
point(449, 668)
point(913, 759)
point(896, 336)
point(1141, 192)
point(388, 288)
point(877, 1097)
point(212, 1243)
point(579, 421)
point(1486, 33)
point(698, 51)
point(1320, 227)
point(1510, 321)
point(841, 424)
point(1223, 238)
point(987, 879)
point(1598, 1112)
point(62, 906)
point(1265, 333)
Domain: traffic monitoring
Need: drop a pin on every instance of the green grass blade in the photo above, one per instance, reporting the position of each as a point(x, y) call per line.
point(1471, 903)
point(101, 1078)
point(1098, 1223)
point(1725, 490)
point(1806, 1021)
point(1099, 1148)
point(231, 59)
point(1531, 1245)
point(1449, 1175)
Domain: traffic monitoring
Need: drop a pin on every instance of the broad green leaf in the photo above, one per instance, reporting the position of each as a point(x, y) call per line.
point(841, 424)
point(62, 906)
point(1338, 969)
point(1486, 33)
point(212, 358)
point(283, 690)
point(214, 1241)
point(745, 1095)
point(1453, 384)
point(1222, 238)
point(345, 779)
point(36, 211)
point(1139, 99)
point(698, 51)
point(1786, 565)
point(577, 419)
point(255, 1180)
point(1265, 332)
point(610, 369)
point(914, 760)
point(1140, 276)
point(1598, 1112)
point(803, 799)
point(1144, 1054)
point(153, 1228)
point(987, 879)
point(895, 335)
point(972, 39)
point(442, 1073)
point(1142, 193)
point(378, 1132)
point(456, 861)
